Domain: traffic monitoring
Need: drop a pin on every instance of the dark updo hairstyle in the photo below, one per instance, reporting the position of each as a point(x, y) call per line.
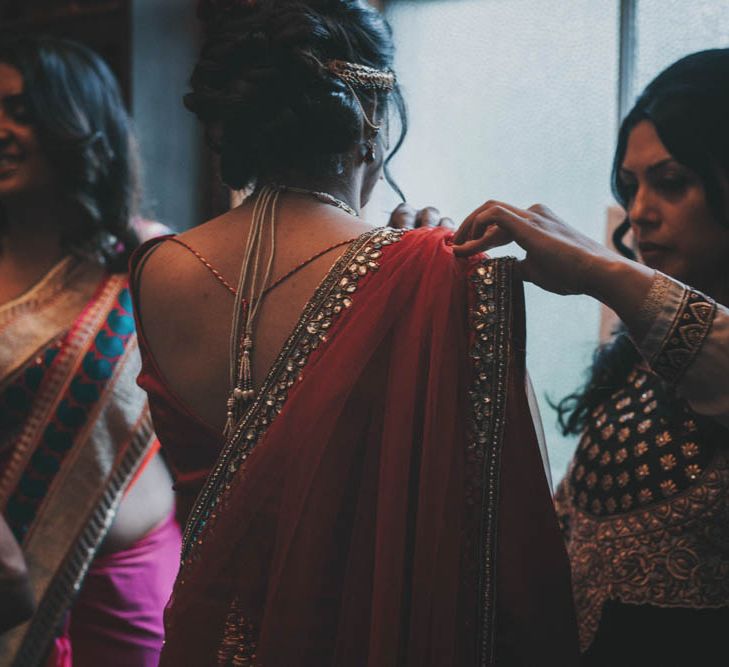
point(269, 105)
point(688, 103)
point(74, 104)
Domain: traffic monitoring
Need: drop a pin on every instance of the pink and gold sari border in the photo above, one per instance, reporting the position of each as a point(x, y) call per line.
point(44, 314)
point(78, 511)
point(59, 377)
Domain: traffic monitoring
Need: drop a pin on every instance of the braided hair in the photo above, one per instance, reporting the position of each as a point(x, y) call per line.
point(268, 103)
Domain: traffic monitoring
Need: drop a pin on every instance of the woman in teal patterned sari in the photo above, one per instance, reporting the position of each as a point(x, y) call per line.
point(81, 486)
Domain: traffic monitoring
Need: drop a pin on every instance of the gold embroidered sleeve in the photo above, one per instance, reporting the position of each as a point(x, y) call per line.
point(680, 319)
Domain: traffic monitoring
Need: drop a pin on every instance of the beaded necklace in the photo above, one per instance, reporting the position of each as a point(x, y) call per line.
point(251, 290)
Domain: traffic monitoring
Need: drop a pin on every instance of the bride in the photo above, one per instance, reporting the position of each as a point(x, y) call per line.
point(378, 496)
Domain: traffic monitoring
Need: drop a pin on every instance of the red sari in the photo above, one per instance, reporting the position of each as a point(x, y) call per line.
point(383, 501)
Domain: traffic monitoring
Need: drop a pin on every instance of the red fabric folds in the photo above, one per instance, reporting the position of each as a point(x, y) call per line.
point(349, 535)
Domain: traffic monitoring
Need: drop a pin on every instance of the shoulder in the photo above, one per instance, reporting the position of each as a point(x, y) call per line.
point(420, 250)
point(166, 276)
point(174, 264)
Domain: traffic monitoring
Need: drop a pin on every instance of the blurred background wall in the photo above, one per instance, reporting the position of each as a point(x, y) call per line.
point(520, 100)
point(151, 45)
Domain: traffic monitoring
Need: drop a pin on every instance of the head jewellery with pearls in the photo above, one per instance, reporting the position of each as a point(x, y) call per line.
point(363, 77)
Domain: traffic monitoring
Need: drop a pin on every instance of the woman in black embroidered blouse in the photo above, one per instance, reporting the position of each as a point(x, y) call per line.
point(645, 502)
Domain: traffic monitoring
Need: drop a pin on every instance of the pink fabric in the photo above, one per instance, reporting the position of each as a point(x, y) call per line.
point(117, 619)
point(61, 654)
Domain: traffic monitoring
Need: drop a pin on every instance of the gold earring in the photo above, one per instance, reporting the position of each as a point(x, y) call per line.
point(371, 153)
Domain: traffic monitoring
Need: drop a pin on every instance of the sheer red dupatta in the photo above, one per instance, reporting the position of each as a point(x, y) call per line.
point(383, 503)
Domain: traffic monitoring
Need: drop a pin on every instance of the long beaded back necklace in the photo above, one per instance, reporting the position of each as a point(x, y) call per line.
point(252, 288)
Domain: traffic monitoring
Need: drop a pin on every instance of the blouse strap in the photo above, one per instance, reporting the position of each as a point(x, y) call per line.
point(218, 276)
point(306, 262)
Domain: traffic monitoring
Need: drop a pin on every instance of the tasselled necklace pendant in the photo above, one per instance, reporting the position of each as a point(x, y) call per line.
point(243, 393)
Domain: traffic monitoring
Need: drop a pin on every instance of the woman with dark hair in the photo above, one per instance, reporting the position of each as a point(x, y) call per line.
point(645, 502)
point(81, 485)
point(367, 506)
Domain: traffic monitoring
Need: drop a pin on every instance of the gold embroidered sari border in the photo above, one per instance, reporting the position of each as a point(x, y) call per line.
point(44, 290)
point(53, 388)
point(67, 580)
point(490, 322)
point(329, 300)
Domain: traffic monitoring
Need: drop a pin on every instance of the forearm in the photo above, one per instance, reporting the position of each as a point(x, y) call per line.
point(623, 286)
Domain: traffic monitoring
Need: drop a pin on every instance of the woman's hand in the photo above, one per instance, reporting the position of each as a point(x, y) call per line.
point(559, 258)
point(406, 217)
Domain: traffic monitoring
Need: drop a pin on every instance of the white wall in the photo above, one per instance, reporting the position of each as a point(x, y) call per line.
point(514, 100)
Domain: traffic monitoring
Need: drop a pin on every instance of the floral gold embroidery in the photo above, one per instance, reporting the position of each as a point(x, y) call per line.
point(664, 543)
point(623, 403)
point(642, 471)
point(662, 555)
point(668, 462)
point(668, 487)
point(693, 471)
point(645, 496)
point(689, 449)
point(238, 645)
point(685, 336)
point(644, 425)
point(647, 395)
point(690, 425)
point(640, 448)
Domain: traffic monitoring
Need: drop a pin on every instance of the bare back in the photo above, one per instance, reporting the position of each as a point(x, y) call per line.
point(186, 313)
